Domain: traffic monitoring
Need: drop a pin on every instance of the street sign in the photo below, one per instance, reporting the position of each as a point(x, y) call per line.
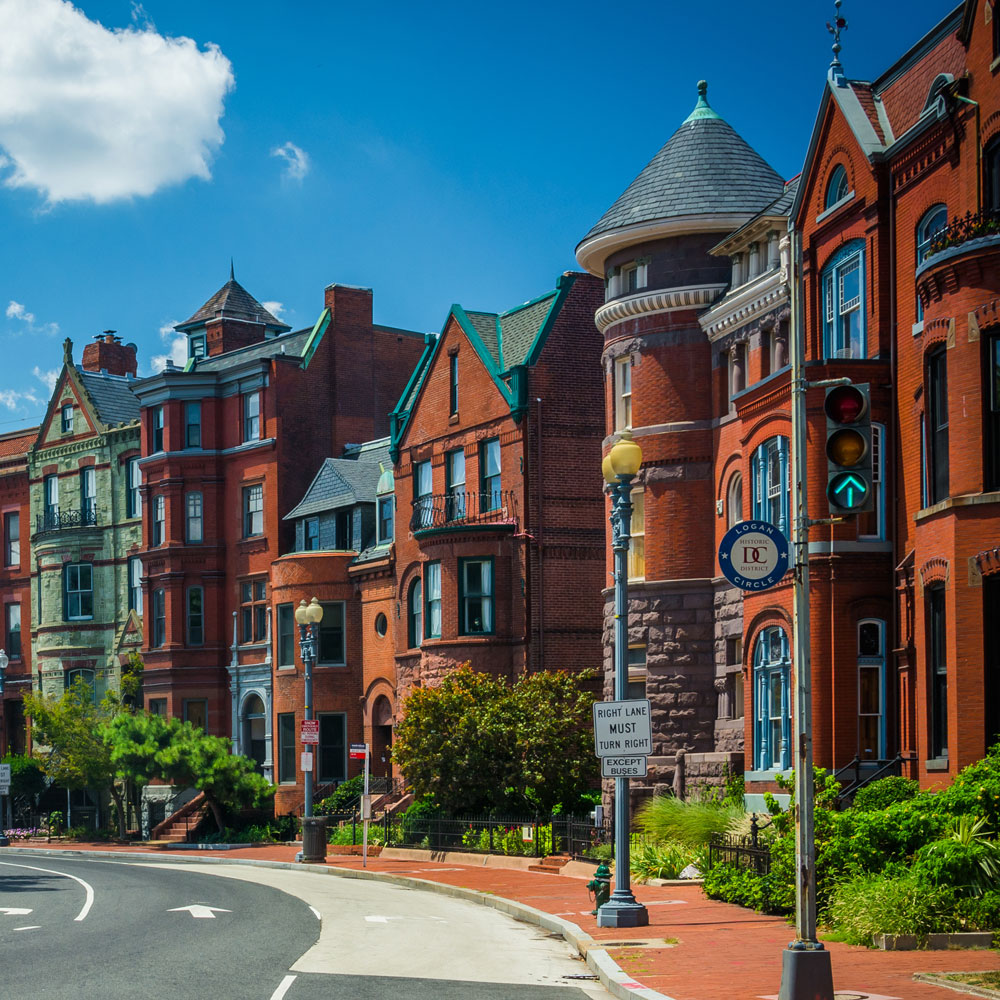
point(306, 761)
point(753, 555)
point(309, 731)
point(622, 728)
point(623, 767)
point(4, 779)
point(358, 751)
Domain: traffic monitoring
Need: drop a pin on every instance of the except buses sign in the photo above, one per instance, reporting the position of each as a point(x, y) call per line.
point(753, 555)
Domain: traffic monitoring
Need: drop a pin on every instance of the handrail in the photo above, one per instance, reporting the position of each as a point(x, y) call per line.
point(459, 507)
point(53, 520)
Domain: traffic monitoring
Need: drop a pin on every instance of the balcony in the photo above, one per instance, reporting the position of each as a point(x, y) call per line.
point(983, 226)
point(56, 520)
point(460, 509)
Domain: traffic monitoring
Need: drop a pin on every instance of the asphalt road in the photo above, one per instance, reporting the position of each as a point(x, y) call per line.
point(74, 929)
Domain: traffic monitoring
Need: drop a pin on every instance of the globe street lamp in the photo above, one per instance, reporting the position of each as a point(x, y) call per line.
point(308, 617)
point(620, 466)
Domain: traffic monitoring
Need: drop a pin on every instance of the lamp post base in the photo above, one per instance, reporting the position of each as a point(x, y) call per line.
point(622, 910)
point(806, 973)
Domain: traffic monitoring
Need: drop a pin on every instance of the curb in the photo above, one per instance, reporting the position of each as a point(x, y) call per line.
point(611, 976)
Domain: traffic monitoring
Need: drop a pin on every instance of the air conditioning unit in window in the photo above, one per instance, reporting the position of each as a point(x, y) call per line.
point(844, 352)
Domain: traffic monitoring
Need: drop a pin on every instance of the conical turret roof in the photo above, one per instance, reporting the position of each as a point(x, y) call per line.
point(232, 300)
point(704, 169)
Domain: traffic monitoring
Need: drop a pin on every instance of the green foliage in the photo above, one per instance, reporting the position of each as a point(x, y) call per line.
point(974, 792)
point(735, 785)
point(476, 743)
point(508, 840)
point(660, 861)
point(964, 859)
point(344, 796)
point(665, 818)
point(27, 779)
point(417, 819)
point(885, 792)
point(743, 886)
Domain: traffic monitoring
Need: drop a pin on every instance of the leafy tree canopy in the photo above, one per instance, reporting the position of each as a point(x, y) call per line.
point(475, 742)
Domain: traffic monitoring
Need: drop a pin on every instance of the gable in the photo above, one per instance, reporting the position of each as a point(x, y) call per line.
point(67, 390)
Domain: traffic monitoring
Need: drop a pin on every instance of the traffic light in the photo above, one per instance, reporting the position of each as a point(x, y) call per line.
point(850, 486)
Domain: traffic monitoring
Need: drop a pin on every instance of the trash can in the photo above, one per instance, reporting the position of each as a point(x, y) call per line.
point(313, 839)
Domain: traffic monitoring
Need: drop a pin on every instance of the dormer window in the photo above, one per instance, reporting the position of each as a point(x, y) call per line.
point(196, 345)
point(67, 419)
point(837, 190)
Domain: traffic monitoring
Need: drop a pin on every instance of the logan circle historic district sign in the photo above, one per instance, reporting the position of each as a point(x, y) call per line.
point(753, 555)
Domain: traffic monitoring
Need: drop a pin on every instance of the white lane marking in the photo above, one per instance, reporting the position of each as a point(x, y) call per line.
point(316, 913)
point(199, 911)
point(82, 915)
point(381, 920)
point(14, 911)
point(283, 987)
point(32, 927)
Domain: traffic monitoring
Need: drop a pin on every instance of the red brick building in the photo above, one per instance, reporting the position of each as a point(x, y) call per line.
point(230, 445)
point(499, 538)
point(15, 586)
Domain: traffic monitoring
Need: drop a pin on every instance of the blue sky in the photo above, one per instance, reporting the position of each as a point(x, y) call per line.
point(437, 153)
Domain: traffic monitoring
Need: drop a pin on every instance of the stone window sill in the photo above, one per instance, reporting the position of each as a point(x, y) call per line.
point(936, 764)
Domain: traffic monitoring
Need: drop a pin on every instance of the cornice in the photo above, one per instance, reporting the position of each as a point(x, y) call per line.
point(745, 303)
point(653, 302)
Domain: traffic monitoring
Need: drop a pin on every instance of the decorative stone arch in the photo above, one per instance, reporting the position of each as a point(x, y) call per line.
point(732, 463)
point(254, 727)
point(381, 717)
point(935, 570)
point(938, 84)
point(782, 418)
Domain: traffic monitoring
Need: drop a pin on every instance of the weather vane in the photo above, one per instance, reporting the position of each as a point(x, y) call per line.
point(839, 25)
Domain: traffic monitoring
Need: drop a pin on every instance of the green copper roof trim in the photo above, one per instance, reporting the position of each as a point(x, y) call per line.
point(472, 334)
point(563, 285)
point(400, 416)
point(702, 110)
point(312, 341)
point(189, 365)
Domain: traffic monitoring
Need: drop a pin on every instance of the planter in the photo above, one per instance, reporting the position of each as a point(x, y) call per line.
point(355, 850)
point(934, 942)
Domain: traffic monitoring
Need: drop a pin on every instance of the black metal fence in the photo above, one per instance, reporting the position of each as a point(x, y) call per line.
point(963, 228)
point(52, 519)
point(745, 851)
point(458, 507)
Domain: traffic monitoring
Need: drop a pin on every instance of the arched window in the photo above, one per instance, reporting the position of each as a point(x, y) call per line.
point(843, 284)
point(933, 221)
point(255, 730)
point(85, 675)
point(772, 712)
point(770, 496)
point(871, 689)
point(415, 623)
point(735, 500)
point(837, 189)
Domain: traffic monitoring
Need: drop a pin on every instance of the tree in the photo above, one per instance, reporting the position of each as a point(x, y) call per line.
point(27, 780)
point(70, 734)
point(475, 742)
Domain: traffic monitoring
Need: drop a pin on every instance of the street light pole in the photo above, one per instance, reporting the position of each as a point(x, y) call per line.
point(308, 617)
point(619, 469)
point(4, 660)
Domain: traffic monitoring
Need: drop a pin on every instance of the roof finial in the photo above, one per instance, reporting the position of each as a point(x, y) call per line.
point(67, 351)
point(839, 25)
point(232, 270)
point(702, 108)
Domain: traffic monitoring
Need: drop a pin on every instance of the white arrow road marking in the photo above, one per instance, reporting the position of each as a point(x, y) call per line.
point(283, 987)
point(82, 915)
point(14, 911)
point(199, 912)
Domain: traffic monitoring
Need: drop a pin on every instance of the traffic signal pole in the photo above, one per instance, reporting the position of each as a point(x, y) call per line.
point(806, 972)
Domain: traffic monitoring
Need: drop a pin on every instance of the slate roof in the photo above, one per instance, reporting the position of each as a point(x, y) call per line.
point(111, 395)
point(704, 168)
point(340, 482)
point(370, 451)
point(291, 345)
point(233, 300)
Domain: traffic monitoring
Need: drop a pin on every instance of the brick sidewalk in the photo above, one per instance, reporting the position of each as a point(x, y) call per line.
point(718, 951)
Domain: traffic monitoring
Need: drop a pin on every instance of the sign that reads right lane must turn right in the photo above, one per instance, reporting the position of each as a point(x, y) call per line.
point(622, 728)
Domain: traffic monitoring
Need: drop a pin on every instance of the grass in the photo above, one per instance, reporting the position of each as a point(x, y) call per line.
point(666, 818)
point(988, 980)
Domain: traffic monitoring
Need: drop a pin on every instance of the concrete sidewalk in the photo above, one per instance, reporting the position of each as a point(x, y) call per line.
point(693, 949)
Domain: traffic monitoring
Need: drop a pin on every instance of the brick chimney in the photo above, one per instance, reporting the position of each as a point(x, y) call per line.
point(108, 353)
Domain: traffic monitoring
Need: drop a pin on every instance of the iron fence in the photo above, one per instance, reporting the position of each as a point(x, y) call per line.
point(53, 520)
point(743, 851)
point(459, 508)
point(971, 226)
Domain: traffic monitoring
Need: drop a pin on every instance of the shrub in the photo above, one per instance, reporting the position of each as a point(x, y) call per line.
point(660, 861)
point(896, 901)
point(417, 819)
point(979, 913)
point(508, 840)
point(343, 796)
point(885, 792)
point(743, 886)
point(668, 819)
point(964, 859)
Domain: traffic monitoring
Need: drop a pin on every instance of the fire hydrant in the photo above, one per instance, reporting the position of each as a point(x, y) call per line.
point(599, 886)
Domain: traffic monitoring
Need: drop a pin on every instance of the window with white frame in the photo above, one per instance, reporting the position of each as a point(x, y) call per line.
point(475, 597)
point(251, 416)
point(772, 711)
point(12, 614)
point(51, 489)
point(159, 617)
point(135, 584)
point(156, 418)
point(871, 689)
point(423, 488)
point(67, 419)
point(933, 221)
point(194, 518)
point(159, 519)
point(88, 495)
point(432, 596)
point(455, 484)
point(637, 543)
point(84, 675)
point(843, 284)
point(415, 614)
point(490, 494)
point(734, 500)
point(253, 610)
point(133, 496)
point(12, 539)
point(769, 468)
point(253, 510)
point(386, 508)
point(623, 393)
point(79, 591)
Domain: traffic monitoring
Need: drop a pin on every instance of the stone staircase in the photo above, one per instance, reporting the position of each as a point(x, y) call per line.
point(175, 829)
point(551, 865)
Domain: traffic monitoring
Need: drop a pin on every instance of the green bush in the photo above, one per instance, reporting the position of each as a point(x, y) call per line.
point(979, 913)
point(893, 902)
point(743, 886)
point(344, 796)
point(418, 819)
point(666, 819)
point(885, 792)
point(508, 840)
point(660, 861)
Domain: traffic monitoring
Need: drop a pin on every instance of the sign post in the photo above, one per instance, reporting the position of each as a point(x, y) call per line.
point(5, 794)
point(361, 751)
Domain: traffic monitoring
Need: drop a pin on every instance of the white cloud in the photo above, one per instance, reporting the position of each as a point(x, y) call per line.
point(274, 308)
point(91, 114)
point(47, 378)
point(15, 400)
point(16, 310)
point(177, 349)
point(296, 161)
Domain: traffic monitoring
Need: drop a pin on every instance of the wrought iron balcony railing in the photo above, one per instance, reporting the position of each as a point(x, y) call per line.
point(461, 508)
point(53, 520)
point(961, 229)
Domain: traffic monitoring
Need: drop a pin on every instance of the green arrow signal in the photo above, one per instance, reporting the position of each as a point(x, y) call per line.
point(848, 491)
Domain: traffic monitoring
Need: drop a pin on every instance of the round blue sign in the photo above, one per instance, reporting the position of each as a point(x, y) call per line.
point(753, 555)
